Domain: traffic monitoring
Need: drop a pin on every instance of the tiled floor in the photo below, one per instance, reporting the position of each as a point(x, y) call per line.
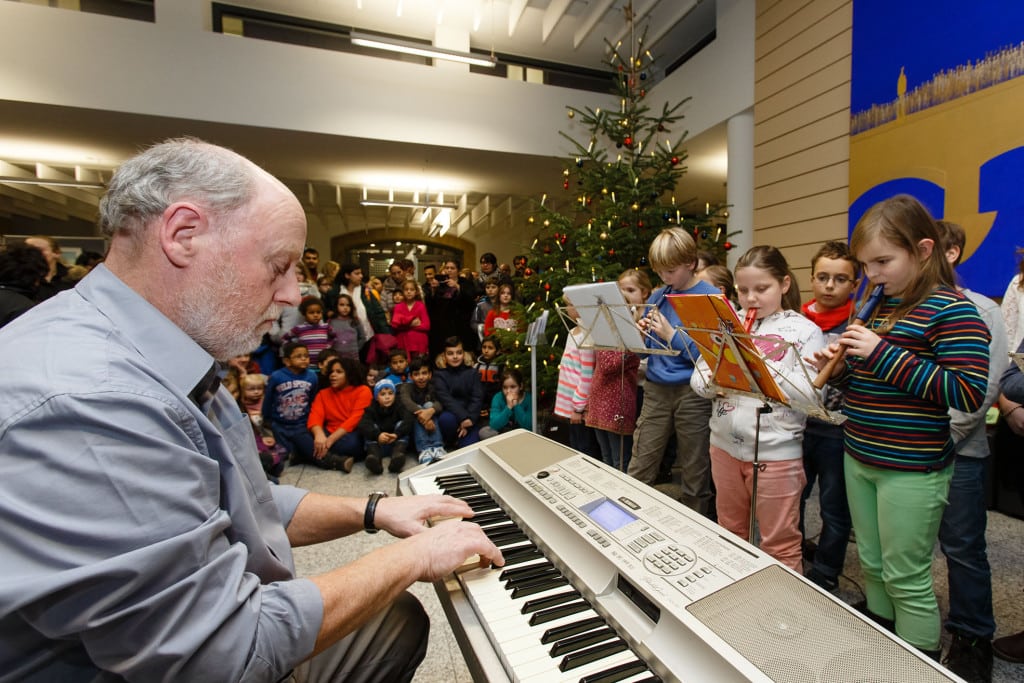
point(444, 663)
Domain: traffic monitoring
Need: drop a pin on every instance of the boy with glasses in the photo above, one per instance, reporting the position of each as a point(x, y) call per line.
point(835, 275)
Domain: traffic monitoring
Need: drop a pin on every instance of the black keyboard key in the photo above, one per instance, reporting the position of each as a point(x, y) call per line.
point(552, 613)
point(549, 601)
point(540, 576)
point(539, 587)
point(533, 570)
point(567, 645)
point(593, 654)
point(618, 673)
point(565, 630)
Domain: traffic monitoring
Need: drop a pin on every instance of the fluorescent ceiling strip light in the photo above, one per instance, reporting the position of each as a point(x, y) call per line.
point(420, 50)
point(7, 180)
point(406, 205)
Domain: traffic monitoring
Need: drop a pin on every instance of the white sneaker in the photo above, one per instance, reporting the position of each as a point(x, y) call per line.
point(439, 453)
point(426, 457)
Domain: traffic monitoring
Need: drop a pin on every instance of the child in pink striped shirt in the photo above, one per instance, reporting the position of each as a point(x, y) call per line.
point(575, 375)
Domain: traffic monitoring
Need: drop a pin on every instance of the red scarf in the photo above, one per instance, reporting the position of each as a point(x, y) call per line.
point(830, 319)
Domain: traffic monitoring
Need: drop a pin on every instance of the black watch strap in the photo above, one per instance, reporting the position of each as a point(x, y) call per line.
point(371, 511)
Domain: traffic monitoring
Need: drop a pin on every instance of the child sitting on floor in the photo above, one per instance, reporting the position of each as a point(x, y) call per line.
point(385, 427)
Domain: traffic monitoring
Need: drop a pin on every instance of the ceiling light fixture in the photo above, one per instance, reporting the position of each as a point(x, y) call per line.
point(407, 205)
point(421, 50)
point(8, 180)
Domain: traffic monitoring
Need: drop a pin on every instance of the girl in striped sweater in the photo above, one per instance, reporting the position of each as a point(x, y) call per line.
point(924, 351)
point(575, 375)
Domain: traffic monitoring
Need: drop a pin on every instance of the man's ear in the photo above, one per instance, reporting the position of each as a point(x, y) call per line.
point(180, 224)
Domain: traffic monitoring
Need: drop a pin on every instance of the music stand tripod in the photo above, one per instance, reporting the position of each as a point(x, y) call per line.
point(727, 351)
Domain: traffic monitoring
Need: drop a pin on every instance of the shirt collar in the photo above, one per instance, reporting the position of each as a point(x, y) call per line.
point(168, 350)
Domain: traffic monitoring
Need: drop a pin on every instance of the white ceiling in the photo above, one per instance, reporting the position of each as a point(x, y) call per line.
point(504, 185)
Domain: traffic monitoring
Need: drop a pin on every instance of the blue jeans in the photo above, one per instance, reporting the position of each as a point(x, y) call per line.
point(612, 445)
point(823, 460)
point(423, 439)
point(582, 439)
point(296, 438)
point(962, 539)
point(448, 425)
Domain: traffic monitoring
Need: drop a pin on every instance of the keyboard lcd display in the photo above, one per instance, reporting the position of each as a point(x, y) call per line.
point(609, 515)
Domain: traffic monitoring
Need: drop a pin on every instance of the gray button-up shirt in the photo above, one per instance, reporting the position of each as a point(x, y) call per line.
point(139, 538)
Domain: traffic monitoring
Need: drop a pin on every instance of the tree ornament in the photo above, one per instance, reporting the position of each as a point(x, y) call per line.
point(579, 163)
point(530, 219)
point(571, 113)
point(603, 235)
point(611, 252)
point(703, 234)
point(547, 286)
point(565, 185)
point(728, 245)
point(528, 272)
point(629, 141)
point(604, 190)
point(640, 224)
point(675, 161)
point(643, 75)
point(547, 248)
point(643, 262)
point(661, 128)
point(635, 206)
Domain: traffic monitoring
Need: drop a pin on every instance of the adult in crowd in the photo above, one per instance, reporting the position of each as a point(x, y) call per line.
point(393, 283)
point(22, 269)
point(370, 311)
point(167, 555)
point(311, 257)
point(429, 277)
point(89, 259)
point(450, 304)
point(56, 279)
point(489, 269)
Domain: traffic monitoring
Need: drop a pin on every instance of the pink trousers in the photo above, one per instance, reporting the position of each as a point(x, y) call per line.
point(779, 483)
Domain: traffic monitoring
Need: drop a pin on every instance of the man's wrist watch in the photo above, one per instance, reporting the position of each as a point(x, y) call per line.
point(371, 511)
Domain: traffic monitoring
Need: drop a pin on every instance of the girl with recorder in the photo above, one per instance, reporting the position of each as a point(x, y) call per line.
point(923, 351)
point(771, 303)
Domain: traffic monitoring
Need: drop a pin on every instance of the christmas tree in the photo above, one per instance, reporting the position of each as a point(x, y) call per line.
point(620, 185)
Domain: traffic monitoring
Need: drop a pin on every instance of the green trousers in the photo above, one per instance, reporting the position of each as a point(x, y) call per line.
point(896, 517)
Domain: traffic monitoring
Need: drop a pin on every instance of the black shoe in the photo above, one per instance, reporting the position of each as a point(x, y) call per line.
point(970, 658)
point(809, 548)
point(397, 457)
point(373, 463)
point(826, 582)
point(337, 462)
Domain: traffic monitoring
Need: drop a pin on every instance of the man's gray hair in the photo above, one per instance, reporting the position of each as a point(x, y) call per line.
point(182, 169)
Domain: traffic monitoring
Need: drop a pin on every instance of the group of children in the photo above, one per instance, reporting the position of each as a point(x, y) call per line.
point(347, 413)
point(887, 468)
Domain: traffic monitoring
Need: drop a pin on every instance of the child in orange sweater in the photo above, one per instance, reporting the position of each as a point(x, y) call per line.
point(336, 413)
